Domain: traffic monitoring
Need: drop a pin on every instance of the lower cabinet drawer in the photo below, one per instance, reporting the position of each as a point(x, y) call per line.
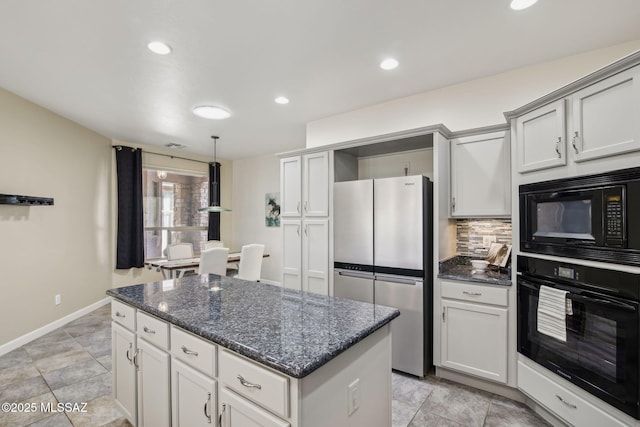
point(475, 293)
point(123, 314)
point(562, 402)
point(154, 330)
point(234, 410)
point(259, 384)
point(194, 351)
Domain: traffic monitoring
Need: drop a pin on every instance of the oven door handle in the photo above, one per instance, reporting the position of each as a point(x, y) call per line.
point(616, 304)
point(620, 305)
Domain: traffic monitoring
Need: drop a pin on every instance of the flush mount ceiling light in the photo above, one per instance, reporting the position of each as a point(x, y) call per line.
point(282, 100)
point(214, 191)
point(389, 64)
point(522, 4)
point(159, 47)
point(210, 112)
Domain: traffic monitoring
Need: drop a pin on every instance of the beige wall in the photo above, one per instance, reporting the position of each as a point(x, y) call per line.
point(467, 105)
point(252, 179)
point(143, 275)
point(47, 250)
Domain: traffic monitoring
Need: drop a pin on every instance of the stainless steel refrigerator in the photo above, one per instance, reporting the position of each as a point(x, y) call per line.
point(383, 255)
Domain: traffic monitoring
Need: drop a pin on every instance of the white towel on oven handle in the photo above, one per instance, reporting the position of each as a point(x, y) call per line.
point(552, 312)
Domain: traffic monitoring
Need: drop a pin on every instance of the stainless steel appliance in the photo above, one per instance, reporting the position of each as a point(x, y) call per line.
point(602, 344)
point(382, 254)
point(593, 217)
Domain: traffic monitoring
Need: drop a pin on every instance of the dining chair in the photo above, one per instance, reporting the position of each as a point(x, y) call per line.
point(213, 244)
point(214, 261)
point(250, 262)
point(179, 251)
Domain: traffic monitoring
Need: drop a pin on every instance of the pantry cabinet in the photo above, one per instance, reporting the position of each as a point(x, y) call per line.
point(474, 329)
point(596, 121)
point(481, 175)
point(304, 188)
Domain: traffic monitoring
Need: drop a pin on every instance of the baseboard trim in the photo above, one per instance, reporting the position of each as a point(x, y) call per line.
point(24, 339)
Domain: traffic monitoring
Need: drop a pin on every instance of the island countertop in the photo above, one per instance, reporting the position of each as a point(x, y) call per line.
point(293, 332)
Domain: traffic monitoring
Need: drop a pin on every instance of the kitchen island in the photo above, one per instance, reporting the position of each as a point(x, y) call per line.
point(206, 349)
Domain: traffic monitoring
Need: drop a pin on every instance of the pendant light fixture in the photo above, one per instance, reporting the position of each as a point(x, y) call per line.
point(214, 185)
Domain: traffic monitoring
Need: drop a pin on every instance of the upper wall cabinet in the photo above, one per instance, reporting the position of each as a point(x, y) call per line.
point(480, 175)
point(305, 185)
point(596, 121)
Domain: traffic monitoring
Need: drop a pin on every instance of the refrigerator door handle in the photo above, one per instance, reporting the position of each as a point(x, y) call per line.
point(416, 281)
point(357, 274)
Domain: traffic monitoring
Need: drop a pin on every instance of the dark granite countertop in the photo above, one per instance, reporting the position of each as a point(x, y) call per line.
point(459, 268)
point(291, 331)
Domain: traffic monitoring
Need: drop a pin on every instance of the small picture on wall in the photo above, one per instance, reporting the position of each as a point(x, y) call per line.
point(272, 209)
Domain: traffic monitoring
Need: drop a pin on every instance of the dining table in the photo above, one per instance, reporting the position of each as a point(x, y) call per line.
point(172, 269)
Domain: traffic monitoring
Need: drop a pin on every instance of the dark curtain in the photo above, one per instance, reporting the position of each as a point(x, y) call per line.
point(214, 200)
point(130, 240)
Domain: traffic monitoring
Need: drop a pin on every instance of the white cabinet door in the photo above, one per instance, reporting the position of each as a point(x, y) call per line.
point(154, 393)
point(193, 397)
point(292, 253)
point(238, 412)
point(315, 181)
point(474, 339)
point(481, 175)
point(123, 349)
point(291, 187)
point(541, 138)
point(606, 117)
point(315, 256)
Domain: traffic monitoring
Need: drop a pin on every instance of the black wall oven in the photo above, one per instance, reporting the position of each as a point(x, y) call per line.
point(593, 217)
point(602, 344)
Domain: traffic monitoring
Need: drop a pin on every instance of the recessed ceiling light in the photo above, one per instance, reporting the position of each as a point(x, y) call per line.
point(210, 112)
point(282, 100)
point(522, 4)
point(389, 64)
point(160, 48)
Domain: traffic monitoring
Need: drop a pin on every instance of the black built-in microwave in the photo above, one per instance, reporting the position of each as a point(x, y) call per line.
point(595, 217)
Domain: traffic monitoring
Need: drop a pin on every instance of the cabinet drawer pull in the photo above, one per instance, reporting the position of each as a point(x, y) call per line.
point(224, 408)
point(248, 384)
point(453, 204)
point(149, 331)
point(473, 294)
point(135, 358)
point(128, 354)
point(573, 141)
point(570, 405)
point(558, 147)
point(207, 404)
point(185, 350)
point(118, 314)
point(443, 320)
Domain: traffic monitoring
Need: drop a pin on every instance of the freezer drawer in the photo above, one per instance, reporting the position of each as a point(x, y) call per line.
point(408, 347)
point(353, 285)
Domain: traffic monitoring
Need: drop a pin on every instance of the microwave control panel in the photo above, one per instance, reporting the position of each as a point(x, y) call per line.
point(614, 216)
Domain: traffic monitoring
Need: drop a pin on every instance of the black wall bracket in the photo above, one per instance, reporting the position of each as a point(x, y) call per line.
point(14, 199)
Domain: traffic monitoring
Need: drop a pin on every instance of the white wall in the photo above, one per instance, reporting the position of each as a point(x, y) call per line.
point(467, 105)
point(47, 250)
point(252, 179)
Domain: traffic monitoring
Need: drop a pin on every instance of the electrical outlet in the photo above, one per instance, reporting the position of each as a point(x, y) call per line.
point(488, 240)
point(58, 299)
point(354, 396)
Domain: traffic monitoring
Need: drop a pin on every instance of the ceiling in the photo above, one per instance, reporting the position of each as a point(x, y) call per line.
point(88, 61)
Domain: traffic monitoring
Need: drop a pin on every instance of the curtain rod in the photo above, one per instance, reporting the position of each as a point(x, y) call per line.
point(120, 147)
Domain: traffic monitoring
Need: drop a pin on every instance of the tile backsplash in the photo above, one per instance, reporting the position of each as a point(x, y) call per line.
point(470, 235)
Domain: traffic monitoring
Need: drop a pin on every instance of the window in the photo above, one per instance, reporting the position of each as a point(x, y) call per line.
point(171, 202)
